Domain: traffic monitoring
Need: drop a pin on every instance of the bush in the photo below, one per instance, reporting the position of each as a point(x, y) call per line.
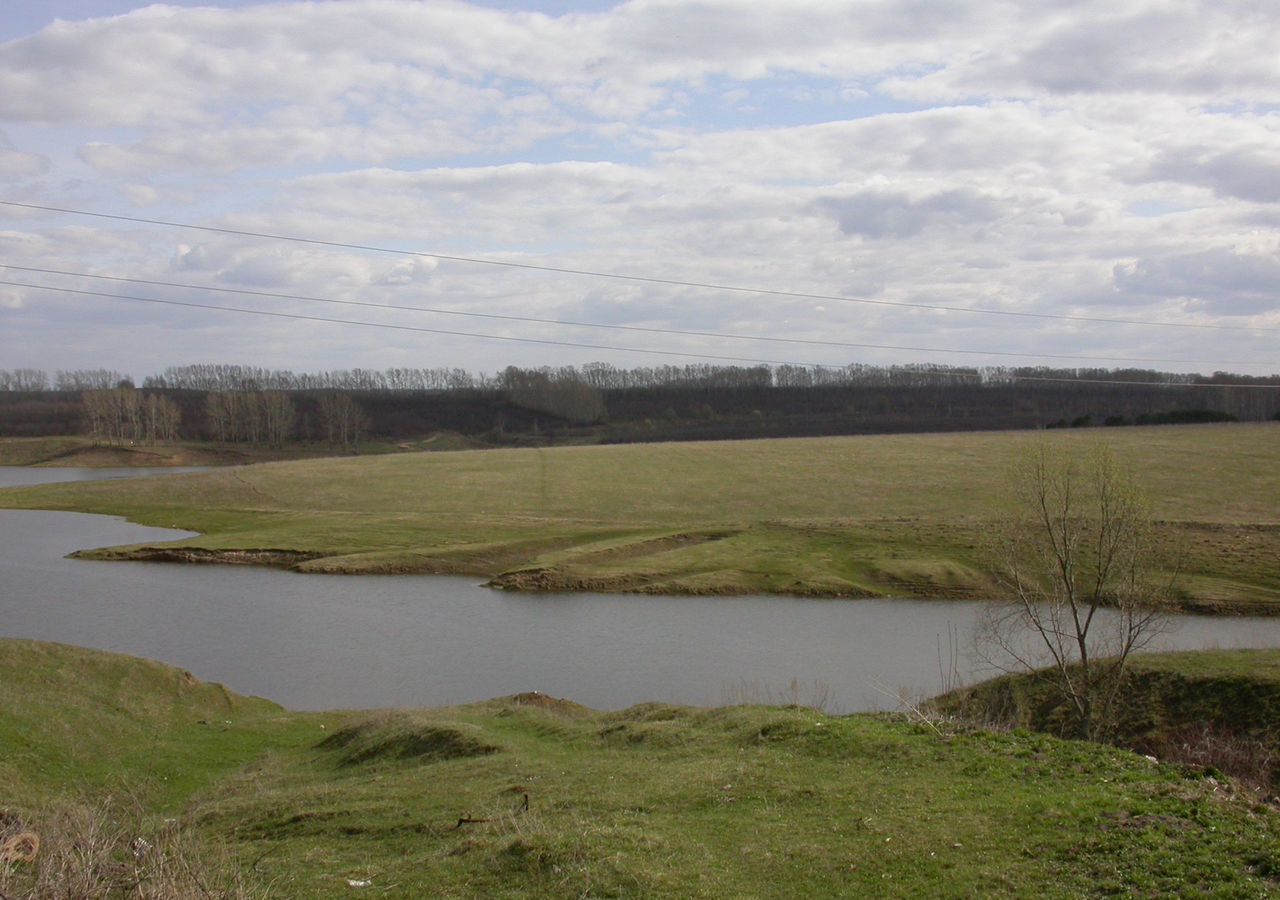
point(1186, 417)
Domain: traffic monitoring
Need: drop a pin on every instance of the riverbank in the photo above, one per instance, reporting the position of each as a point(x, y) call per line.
point(1214, 708)
point(879, 516)
point(532, 796)
point(82, 452)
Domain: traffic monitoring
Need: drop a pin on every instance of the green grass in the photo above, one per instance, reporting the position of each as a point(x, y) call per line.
point(655, 800)
point(84, 719)
point(1231, 692)
point(879, 515)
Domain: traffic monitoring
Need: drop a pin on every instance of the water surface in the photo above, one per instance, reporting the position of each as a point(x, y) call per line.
point(323, 642)
point(23, 476)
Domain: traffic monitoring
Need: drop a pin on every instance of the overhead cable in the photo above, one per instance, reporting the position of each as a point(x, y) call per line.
point(558, 343)
point(633, 328)
point(645, 279)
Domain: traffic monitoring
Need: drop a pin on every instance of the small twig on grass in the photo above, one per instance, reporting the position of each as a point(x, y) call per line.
point(913, 708)
point(470, 820)
point(263, 855)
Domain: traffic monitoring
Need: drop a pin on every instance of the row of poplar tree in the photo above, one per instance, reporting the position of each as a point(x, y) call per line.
point(124, 415)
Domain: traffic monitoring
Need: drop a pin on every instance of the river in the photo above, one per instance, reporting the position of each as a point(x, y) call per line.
point(330, 642)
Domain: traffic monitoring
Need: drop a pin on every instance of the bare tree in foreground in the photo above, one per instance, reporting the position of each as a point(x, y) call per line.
point(1079, 563)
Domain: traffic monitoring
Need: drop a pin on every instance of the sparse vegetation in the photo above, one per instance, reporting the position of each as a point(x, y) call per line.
point(105, 847)
point(1077, 558)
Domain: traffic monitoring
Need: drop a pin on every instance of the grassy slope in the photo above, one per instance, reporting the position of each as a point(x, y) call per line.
point(897, 515)
point(1234, 692)
point(653, 801)
point(82, 719)
point(83, 452)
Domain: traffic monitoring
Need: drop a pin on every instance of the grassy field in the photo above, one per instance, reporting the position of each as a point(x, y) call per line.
point(655, 800)
point(858, 516)
point(83, 452)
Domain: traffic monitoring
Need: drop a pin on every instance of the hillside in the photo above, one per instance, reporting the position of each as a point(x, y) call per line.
point(1168, 698)
point(655, 800)
point(83, 452)
point(862, 516)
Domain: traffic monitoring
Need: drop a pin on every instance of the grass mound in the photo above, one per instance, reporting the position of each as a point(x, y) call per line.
point(658, 800)
point(1236, 690)
point(539, 700)
point(1218, 709)
point(403, 736)
point(72, 718)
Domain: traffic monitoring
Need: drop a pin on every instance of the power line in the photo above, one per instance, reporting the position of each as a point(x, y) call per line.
point(546, 341)
point(413, 328)
point(632, 328)
point(645, 279)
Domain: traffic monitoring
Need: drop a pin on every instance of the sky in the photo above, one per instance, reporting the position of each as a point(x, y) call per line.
point(961, 182)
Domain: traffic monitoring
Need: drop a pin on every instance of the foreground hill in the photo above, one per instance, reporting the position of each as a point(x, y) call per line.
point(859, 516)
point(530, 796)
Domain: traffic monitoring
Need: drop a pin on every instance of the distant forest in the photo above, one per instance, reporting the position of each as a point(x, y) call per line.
point(598, 402)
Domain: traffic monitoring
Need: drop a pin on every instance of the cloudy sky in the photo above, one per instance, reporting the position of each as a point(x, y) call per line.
point(1074, 161)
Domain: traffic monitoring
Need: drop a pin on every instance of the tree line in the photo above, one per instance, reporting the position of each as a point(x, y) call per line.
point(604, 403)
point(125, 415)
point(271, 418)
point(599, 375)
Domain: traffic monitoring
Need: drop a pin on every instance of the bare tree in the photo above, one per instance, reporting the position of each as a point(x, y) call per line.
point(1079, 562)
point(278, 417)
point(163, 416)
point(343, 419)
point(218, 412)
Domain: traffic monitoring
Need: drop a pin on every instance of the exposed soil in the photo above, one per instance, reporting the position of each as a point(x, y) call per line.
point(553, 580)
point(547, 702)
point(283, 559)
point(128, 457)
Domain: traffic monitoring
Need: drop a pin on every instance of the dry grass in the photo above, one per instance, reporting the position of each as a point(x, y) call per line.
point(110, 849)
point(898, 515)
point(1252, 761)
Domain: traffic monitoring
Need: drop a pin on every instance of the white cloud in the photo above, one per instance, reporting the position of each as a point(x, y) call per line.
point(1096, 158)
point(140, 194)
point(889, 214)
point(1218, 280)
point(14, 163)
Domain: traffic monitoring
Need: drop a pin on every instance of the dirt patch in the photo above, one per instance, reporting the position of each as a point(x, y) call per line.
point(650, 547)
point(542, 579)
point(405, 736)
point(718, 584)
point(1124, 820)
point(930, 590)
point(105, 457)
point(540, 700)
point(286, 559)
point(373, 564)
point(91, 457)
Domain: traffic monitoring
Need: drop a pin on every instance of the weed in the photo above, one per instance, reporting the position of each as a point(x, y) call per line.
point(112, 848)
